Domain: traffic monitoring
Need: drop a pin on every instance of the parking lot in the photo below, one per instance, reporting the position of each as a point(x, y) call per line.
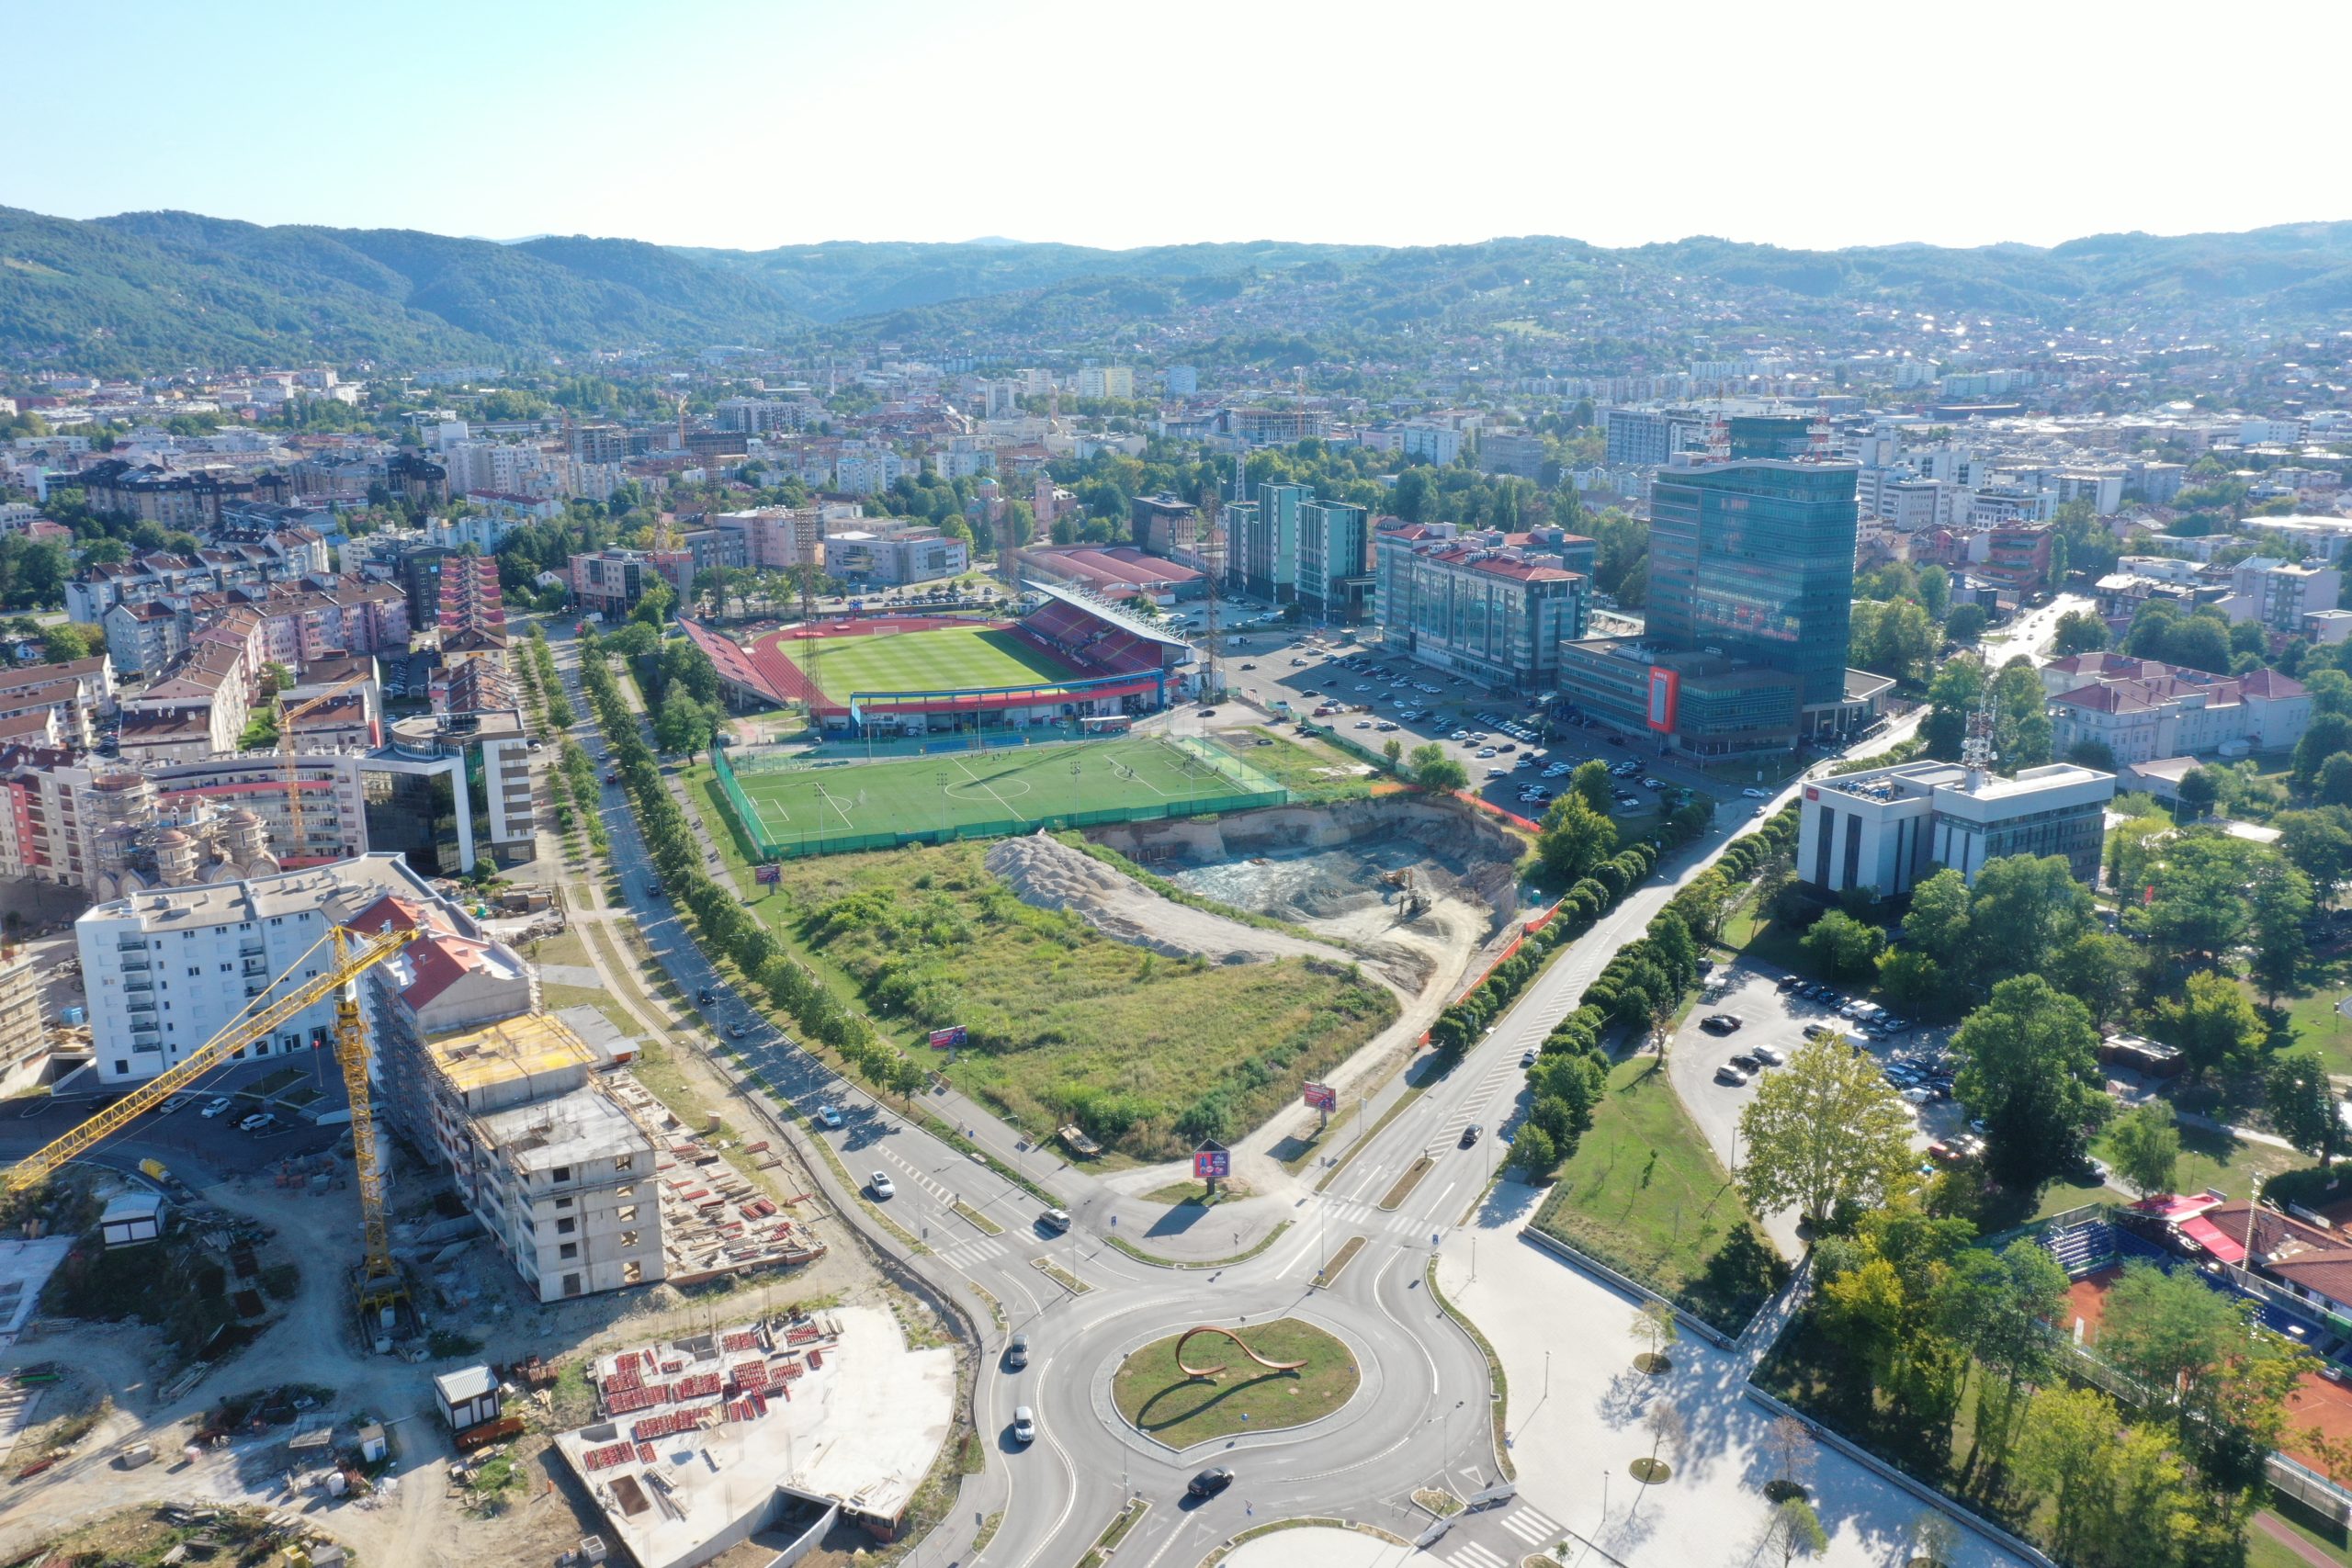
point(1379, 697)
point(302, 1095)
point(1776, 1019)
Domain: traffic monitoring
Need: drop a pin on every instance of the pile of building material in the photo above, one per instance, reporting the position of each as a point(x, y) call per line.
point(714, 1219)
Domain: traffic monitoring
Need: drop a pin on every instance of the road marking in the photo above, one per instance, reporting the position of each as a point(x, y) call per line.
point(1531, 1526)
point(1470, 1554)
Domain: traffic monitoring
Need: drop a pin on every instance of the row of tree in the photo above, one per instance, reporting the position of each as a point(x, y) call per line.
point(718, 913)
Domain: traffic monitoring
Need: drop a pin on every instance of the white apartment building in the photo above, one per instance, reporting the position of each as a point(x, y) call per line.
point(166, 970)
point(1106, 381)
point(2279, 593)
point(2143, 711)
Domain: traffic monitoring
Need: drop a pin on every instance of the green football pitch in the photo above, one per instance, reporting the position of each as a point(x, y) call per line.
point(1003, 789)
point(943, 659)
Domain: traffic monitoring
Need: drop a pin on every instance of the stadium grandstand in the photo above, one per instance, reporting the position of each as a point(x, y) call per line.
point(1114, 571)
point(1073, 659)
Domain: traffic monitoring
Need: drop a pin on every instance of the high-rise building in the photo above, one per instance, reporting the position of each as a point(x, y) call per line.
point(1265, 563)
point(1753, 558)
point(1335, 559)
point(1493, 607)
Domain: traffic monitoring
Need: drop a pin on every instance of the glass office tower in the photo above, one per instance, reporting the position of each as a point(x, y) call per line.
point(1754, 560)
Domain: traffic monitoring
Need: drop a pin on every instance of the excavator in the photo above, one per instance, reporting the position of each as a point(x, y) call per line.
point(377, 1287)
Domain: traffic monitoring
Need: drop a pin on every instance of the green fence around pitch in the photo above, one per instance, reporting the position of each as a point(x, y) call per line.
point(1256, 789)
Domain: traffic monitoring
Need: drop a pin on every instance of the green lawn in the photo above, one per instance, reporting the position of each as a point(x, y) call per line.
point(1148, 1053)
point(1646, 1195)
point(1154, 1396)
point(2312, 1018)
point(1310, 769)
point(948, 658)
point(1011, 789)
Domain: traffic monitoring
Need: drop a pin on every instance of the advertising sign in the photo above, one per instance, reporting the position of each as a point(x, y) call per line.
point(947, 1038)
point(1665, 694)
point(770, 874)
point(1321, 1095)
point(1212, 1162)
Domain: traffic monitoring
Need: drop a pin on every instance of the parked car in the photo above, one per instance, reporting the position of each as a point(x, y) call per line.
point(1748, 1062)
point(1719, 1023)
point(215, 1108)
point(1731, 1074)
point(1770, 1056)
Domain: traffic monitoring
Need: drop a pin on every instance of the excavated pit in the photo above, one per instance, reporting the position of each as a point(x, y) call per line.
point(1322, 868)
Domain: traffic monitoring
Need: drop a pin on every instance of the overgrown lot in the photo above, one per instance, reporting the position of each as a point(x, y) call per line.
point(1149, 1053)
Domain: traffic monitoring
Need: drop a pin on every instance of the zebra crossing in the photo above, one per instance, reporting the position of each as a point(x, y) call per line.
point(972, 1249)
point(1470, 1554)
point(1537, 1529)
point(1356, 1214)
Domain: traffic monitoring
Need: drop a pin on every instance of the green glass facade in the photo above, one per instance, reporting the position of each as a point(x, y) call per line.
point(1754, 560)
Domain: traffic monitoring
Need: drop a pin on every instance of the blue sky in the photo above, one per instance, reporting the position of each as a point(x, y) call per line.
point(756, 125)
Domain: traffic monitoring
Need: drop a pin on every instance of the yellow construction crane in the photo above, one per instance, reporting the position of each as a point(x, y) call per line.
point(286, 718)
point(352, 954)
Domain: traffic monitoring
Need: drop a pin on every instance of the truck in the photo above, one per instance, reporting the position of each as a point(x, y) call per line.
point(153, 1169)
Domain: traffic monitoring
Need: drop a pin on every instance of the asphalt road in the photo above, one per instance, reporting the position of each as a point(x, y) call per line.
point(1421, 1413)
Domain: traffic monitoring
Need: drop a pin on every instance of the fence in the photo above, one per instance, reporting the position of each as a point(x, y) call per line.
point(747, 819)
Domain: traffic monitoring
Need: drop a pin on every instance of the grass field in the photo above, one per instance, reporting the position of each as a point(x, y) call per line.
point(1152, 1391)
point(811, 806)
point(1646, 1195)
point(1149, 1053)
point(947, 658)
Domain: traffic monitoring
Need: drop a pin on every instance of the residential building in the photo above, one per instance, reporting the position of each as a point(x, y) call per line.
point(2278, 593)
point(1335, 578)
point(777, 537)
point(1887, 829)
point(2142, 710)
point(1106, 381)
point(24, 1029)
point(141, 638)
point(1492, 607)
point(1517, 453)
point(611, 582)
point(210, 686)
point(1650, 437)
point(1265, 555)
point(76, 692)
point(166, 969)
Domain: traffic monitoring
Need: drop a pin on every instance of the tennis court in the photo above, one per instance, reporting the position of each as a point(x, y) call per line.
point(829, 808)
point(934, 660)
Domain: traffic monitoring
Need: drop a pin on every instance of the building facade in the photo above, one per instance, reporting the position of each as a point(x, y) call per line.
point(1887, 829)
point(1477, 606)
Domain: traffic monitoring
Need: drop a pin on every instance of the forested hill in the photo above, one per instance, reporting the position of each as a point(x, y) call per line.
point(164, 289)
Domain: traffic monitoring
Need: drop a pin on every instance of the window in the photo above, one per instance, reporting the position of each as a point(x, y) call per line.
point(568, 1251)
point(566, 1225)
point(571, 1284)
point(627, 1212)
point(227, 969)
point(625, 1162)
point(628, 1238)
point(563, 1202)
point(560, 1173)
point(632, 1273)
point(625, 1190)
point(195, 969)
point(121, 1067)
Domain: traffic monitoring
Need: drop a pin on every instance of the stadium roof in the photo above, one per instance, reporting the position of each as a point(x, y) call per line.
point(1124, 619)
point(734, 665)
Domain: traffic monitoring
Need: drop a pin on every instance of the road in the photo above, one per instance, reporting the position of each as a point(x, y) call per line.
point(1420, 1415)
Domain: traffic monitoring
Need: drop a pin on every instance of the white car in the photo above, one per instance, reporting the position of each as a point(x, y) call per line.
point(1754, 794)
point(883, 1186)
point(218, 1106)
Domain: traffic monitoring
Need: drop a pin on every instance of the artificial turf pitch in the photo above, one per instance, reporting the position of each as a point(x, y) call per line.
point(942, 659)
point(1007, 787)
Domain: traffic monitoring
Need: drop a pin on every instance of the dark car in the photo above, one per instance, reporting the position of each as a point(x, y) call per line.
point(1746, 1063)
point(1209, 1482)
point(1719, 1023)
point(1788, 983)
point(1472, 1133)
point(1016, 1354)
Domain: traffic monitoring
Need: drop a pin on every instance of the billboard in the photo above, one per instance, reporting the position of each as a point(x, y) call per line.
point(1212, 1162)
point(947, 1038)
point(768, 874)
point(1321, 1095)
point(1666, 695)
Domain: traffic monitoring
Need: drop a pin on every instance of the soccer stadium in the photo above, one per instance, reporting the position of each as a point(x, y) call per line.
point(1073, 661)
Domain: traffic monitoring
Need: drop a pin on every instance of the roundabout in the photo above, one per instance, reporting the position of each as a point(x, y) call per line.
point(1270, 1377)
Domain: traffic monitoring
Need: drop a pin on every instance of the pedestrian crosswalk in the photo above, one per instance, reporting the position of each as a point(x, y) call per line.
point(1470, 1554)
point(1355, 1214)
point(1531, 1526)
point(972, 1249)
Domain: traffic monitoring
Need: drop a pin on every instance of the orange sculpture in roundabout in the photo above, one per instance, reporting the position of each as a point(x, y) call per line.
point(1209, 1374)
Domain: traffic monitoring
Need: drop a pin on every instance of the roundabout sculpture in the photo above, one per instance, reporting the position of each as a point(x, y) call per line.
point(1209, 1374)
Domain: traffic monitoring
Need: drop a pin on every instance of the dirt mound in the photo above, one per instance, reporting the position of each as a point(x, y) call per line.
point(1043, 872)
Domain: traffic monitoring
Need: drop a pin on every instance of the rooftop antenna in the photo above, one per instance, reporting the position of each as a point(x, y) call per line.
point(1976, 753)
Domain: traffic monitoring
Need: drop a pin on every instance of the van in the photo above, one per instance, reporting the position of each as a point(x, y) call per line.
point(1055, 1220)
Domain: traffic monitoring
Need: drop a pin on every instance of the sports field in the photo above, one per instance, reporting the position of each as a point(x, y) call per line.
point(1003, 789)
point(943, 658)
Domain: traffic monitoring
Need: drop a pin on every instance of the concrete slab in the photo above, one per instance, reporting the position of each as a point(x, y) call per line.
point(1575, 1420)
point(25, 1267)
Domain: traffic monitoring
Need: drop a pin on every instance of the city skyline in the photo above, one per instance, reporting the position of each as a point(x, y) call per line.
point(1611, 144)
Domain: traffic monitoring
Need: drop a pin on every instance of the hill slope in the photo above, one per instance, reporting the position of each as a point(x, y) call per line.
point(159, 289)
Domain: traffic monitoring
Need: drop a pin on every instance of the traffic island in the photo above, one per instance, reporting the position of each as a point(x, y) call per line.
point(1405, 1184)
point(1231, 1389)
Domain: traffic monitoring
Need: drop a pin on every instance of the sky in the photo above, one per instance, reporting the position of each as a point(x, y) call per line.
point(754, 124)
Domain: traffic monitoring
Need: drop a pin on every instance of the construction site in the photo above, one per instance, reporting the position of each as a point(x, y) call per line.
point(545, 1199)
